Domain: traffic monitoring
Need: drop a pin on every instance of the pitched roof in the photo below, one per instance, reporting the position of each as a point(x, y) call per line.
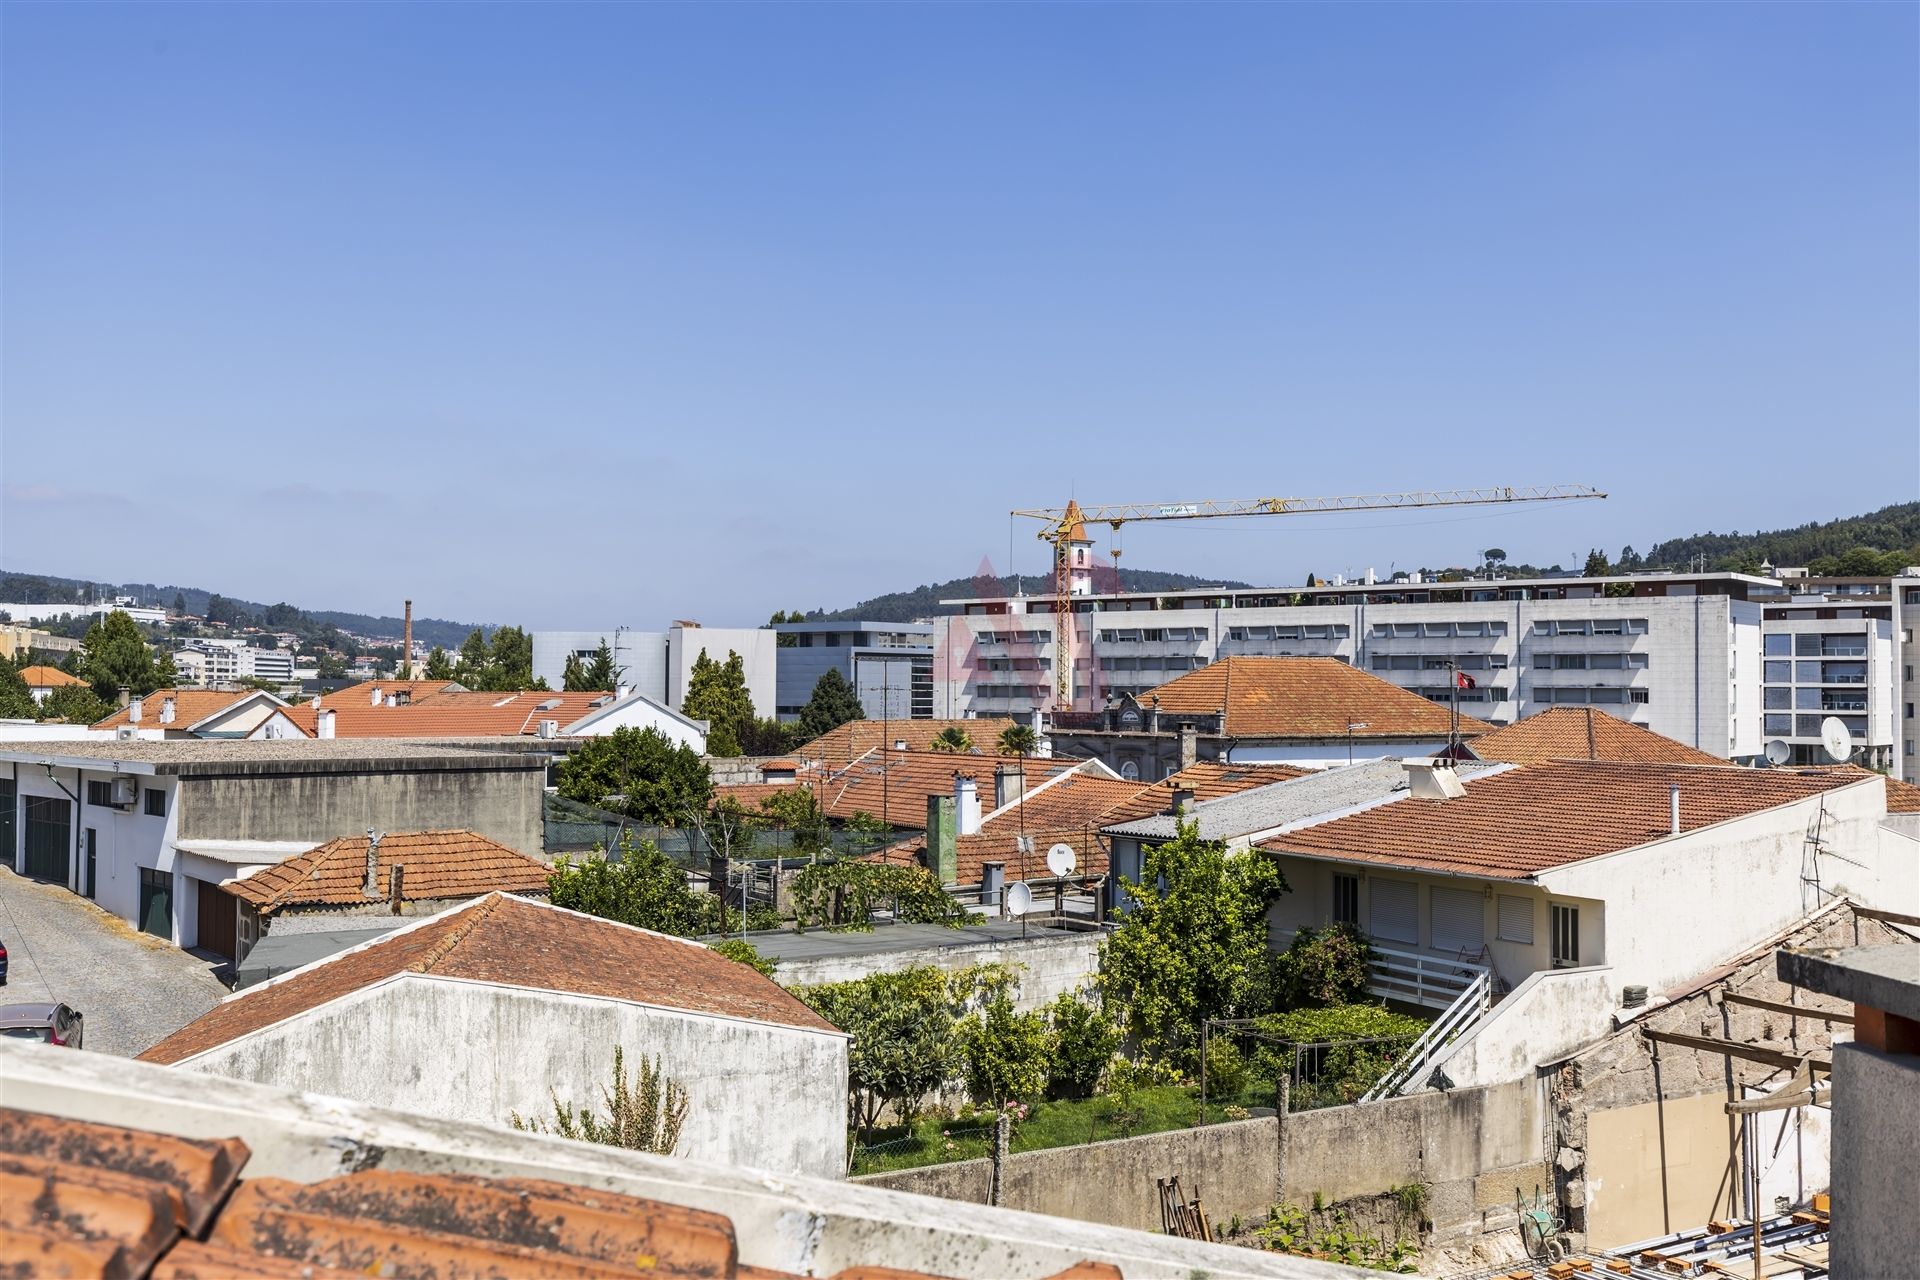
point(1518, 822)
point(1902, 797)
point(416, 690)
point(1583, 733)
point(439, 864)
point(447, 714)
point(1211, 779)
point(857, 737)
point(1305, 698)
point(514, 942)
point(894, 785)
point(190, 707)
point(41, 676)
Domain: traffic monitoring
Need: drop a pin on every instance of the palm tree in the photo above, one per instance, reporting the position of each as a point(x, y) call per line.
point(1018, 740)
point(952, 739)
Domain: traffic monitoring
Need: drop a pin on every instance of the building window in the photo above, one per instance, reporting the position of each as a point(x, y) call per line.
point(1516, 919)
point(156, 801)
point(1564, 923)
point(1777, 672)
point(1779, 646)
point(1346, 899)
point(100, 793)
point(1909, 711)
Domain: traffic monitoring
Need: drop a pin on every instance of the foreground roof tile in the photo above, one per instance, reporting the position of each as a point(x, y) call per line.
point(439, 864)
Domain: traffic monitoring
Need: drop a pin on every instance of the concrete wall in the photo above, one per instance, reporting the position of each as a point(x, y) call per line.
point(1047, 966)
point(1545, 1018)
point(125, 840)
point(765, 1096)
point(1876, 1131)
point(757, 647)
point(501, 803)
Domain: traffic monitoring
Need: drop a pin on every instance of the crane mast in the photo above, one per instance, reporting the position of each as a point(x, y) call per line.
point(1064, 528)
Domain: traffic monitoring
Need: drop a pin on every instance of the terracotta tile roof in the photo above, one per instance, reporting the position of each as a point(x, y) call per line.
point(1305, 698)
point(95, 1199)
point(1210, 779)
point(439, 864)
point(856, 737)
point(516, 943)
point(448, 714)
point(749, 795)
point(1531, 819)
point(1583, 733)
point(900, 782)
point(416, 690)
point(1902, 797)
point(190, 706)
point(41, 676)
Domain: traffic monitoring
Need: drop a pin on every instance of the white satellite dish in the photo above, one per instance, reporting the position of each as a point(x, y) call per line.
point(1061, 860)
point(1835, 738)
point(1778, 752)
point(1019, 898)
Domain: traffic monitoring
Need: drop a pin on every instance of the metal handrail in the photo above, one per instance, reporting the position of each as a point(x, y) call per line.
point(1461, 1014)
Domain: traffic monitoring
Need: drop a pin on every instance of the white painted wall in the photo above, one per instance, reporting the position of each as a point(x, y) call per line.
point(641, 712)
point(1545, 1018)
point(1332, 755)
point(758, 648)
point(1047, 967)
point(762, 1095)
point(126, 840)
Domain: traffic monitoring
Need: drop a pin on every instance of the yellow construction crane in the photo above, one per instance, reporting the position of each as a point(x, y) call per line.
point(1065, 528)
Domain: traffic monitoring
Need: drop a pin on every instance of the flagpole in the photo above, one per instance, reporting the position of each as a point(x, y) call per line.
point(1453, 723)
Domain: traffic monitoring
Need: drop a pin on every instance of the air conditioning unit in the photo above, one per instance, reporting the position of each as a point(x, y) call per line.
point(549, 728)
point(126, 733)
point(125, 792)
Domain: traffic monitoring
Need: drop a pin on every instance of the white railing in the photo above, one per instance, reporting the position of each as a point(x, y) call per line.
point(1411, 1067)
point(1420, 977)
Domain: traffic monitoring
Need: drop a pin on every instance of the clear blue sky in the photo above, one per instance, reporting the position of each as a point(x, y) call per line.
point(616, 314)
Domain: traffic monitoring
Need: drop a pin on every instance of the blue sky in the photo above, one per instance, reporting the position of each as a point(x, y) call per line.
point(615, 314)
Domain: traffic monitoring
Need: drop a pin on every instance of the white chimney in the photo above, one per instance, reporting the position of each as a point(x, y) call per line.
point(621, 692)
point(376, 696)
point(1431, 778)
point(393, 699)
point(1370, 578)
point(167, 711)
point(323, 723)
point(899, 744)
point(1673, 799)
point(966, 806)
point(136, 707)
point(1009, 785)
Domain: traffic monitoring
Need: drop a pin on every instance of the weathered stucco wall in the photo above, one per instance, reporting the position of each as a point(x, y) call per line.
point(1876, 1131)
point(502, 804)
point(1047, 966)
point(1545, 1018)
point(762, 1096)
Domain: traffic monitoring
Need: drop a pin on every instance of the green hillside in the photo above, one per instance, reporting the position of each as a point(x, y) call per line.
point(1880, 542)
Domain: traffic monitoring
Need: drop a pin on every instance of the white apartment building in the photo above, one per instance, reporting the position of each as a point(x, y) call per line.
point(218, 663)
point(1680, 654)
point(658, 664)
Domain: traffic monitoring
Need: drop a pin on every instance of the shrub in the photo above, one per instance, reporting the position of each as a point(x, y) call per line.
point(644, 1112)
point(843, 895)
point(1005, 1054)
point(746, 953)
point(1226, 1068)
point(1084, 1039)
point(1342, 1071)
point(1321, 968)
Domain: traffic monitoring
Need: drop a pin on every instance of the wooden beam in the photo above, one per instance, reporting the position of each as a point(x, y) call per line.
point(1733, 1049)
point(1780, 1102)
point(1778, 1006)
point(1891, 917)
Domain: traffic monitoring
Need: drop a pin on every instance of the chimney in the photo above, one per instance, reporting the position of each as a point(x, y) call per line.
point(396, 890)
point(136, 707)
point(1673, 799)
point(372, 887)
point(943, 858)
point(393, 699)
point(1189, 746)
point(167, 710)
point(374, 697)
point(1182, 800)
point(993, 880)
point(406, 644)
point(323, 723)
point(1009, 785)
point(899, 744)
point(621, 692)
point(1431, 778)
point(966, 806)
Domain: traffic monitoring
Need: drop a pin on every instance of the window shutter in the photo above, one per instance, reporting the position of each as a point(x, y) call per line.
point(1458, 920)
point(1394, 913)
point(1516, 919)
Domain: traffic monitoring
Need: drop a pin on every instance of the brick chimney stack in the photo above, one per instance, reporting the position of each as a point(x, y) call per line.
point(406, 644)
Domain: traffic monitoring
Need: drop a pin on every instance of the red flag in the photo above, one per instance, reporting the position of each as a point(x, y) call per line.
point(1464, 680)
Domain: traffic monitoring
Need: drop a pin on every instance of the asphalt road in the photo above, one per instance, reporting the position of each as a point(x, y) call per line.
point(134, 990)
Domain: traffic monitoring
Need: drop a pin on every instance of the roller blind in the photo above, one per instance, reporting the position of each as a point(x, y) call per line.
point(1458, 920)
point(1394, 912)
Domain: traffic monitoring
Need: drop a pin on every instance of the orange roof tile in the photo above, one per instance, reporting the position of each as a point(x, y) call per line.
point(439, 864)
point(416, 690)
point(1305, 698)
point(857, 737)
point(894, 785)
point(1523, 821)
point(41, 676)
point(190, 706)
point(97, 1199)
point(1583, 733)
point(448, 714)
point(514, 942)
point(1902, 797)
point(1211, 779)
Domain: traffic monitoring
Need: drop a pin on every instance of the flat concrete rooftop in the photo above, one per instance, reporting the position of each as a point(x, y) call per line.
point(225, 755)
point(820, 944)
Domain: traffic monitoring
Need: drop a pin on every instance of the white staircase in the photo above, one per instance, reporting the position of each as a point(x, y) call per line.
point(1410, 1068)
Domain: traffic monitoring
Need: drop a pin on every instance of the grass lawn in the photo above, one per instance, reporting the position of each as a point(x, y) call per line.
point(1052, 1124)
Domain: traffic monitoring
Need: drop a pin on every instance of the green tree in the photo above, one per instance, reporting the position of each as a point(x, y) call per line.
point(1322, 968)
point(902, 1029)
point(952, 739)
point(16, 700)
point(75, 704)
point(1018, 740)
point(640, 773)
point(439, 665)
point(639, 886)
point(1194, 944)
point(1630, 559)
point(1494, 557)
point(740, 951)
point(595, 674)
point(179, 604)
point(797, 810)
point(644, 1113)
point(1596, 566)
point(1004, 1054)
point(832, 704)
point(118, 657)
point(717, 693)
point(765, 736)
point(1084, 1042)
point(330, 666)
point(780, 616)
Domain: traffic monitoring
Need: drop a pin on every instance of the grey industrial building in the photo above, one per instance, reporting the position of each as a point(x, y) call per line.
point(889, 664)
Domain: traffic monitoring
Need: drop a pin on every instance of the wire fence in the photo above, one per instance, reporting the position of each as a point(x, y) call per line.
point(920, 1147)
point(1318, 1073)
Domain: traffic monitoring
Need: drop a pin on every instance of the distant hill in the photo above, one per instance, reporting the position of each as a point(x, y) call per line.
point(924, 602)
point(33, 588)
point(1891, 535)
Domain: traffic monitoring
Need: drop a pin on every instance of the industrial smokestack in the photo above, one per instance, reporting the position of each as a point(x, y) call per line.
point(406, 644)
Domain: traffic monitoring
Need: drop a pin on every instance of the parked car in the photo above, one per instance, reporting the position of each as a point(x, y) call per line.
point(48, 1023)
point(3, 964)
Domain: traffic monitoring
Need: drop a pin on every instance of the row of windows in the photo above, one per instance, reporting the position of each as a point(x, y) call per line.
point(1590, 627)
point(1454, 917)
point(1013, 637)
point(1152, 664)
point(1814, 644)
point(1599, 696)
point(1413, 630)
point(100, 796)
point(1777, 672)
point(1814, 699)
point(1429, 662)
point(1783, 726)
point(1480, 693)
point(1307, 631)
point(1154, 635)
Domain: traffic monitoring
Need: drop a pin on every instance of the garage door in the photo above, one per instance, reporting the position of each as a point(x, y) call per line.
point(1459, 920)
point(218, 920)
point(49, 836)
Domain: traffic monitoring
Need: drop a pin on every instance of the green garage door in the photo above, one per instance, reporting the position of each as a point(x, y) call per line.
point(49, 832)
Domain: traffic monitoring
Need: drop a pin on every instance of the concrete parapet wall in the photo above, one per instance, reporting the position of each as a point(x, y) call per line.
point(1048, 964)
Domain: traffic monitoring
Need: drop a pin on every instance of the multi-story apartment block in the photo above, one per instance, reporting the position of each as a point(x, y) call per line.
point(218, 664)
point(659, 664)
point(889, 664)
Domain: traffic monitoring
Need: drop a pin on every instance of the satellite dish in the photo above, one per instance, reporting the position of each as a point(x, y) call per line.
point(1835, 738)
point(1019, 898)
point(1778, 752)
point(1061, 860)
